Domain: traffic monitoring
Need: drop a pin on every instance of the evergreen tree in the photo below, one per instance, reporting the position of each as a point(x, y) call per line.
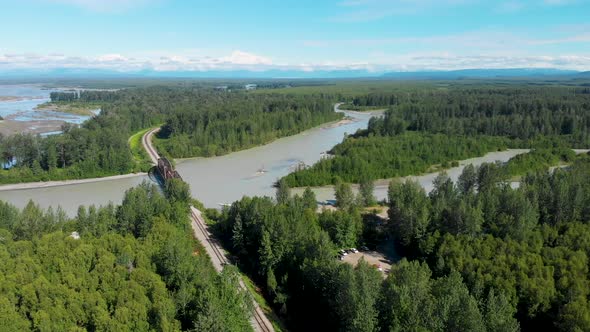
point(366, 189)
point(309, 199)
point(344, 196)
point(283, 192)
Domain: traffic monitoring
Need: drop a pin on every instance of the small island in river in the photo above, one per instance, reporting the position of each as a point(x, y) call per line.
point(69, 107)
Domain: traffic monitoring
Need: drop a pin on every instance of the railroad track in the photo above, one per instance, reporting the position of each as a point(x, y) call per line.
point(261, 324)
point(148, 145)
point(220, 256)
point(258, 315)
point(260, 321)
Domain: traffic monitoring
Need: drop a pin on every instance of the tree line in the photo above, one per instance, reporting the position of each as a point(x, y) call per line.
point(134, 267)
point(290, 250)
point(237, 121)
point(444, 125)
point(197, 122)
point(479, 254)
point(527, 244)
point(522, 112)
point(95, 149)
point(84, 96)
point(383, 157)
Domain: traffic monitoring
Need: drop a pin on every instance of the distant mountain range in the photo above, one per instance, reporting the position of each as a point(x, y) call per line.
point(293, 74)
point(483, 73)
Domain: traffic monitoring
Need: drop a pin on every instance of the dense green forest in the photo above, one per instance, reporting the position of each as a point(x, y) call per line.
point(432, 126)
point(480, 256)
point(84, 96)
point(198, 122)
point(528, 243)
point(538, 160)
point(382, 157)
point(96, 149)
point(230, 122)
point(135, 267)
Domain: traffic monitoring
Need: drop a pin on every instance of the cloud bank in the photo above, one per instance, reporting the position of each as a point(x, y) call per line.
point(241, 60)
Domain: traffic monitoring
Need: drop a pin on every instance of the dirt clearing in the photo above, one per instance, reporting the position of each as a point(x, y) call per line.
point(374, 258)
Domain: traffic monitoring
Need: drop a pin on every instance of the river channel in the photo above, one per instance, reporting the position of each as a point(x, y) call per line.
point(222, 180)
point(326, 193)
point(213, 180)
point(18, 109)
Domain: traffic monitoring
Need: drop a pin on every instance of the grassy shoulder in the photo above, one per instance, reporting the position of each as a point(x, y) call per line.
point(78, 108)
point(255, 292)
point(257, 296)
point(140, 156)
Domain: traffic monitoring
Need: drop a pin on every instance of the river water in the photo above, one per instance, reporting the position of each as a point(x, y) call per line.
point(224, 179)
point(70, 197)
point(212, 180)
point(426, 180)
point(17, 108)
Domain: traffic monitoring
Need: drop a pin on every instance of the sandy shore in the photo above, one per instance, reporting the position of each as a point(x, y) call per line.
point(11, 127)
point(360, 112)
point(36, 185)
point(17, 98)
point(338, 124)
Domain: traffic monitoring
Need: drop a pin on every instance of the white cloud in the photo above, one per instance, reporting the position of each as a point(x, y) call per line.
point(165, 62)
point(243, 58)
point(112, 58)
point(239, 60)
point(479, 41)
point(477, 49)
point(451, 62)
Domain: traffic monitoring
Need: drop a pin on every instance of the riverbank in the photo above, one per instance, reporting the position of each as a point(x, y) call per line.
point(17, 98)
point(325, 193)
point(48, 184)
point(11, 127)
point(213, 180)
point(339, 123)
point(87, 109)
point(347, 121)
point(352, 108)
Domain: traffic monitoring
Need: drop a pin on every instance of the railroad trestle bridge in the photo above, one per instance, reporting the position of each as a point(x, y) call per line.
point(165, 170)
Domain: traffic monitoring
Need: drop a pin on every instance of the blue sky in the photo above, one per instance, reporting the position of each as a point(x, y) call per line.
point(309, 35)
